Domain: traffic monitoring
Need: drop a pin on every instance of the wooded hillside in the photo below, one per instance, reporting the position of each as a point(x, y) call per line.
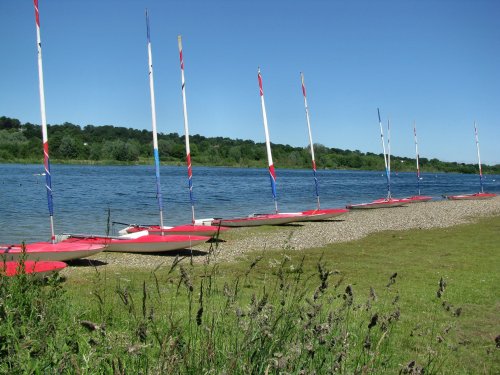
point(111, 144)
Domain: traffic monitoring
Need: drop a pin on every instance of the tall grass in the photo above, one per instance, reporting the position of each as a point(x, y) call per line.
point(193, 321)
point(406, 302)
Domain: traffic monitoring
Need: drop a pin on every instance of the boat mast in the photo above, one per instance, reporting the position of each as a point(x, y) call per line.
point(385, 156)
point(272, 173)
point(389, 153)
point(46, 160)
point(478, 158)
point(186, 131)
point(153, 121)
point(417, 156)
point(310, 138)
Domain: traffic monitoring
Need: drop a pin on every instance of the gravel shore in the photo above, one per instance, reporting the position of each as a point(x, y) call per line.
point(351, 226)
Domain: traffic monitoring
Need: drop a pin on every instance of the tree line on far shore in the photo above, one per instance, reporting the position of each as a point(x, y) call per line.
point(70, 143)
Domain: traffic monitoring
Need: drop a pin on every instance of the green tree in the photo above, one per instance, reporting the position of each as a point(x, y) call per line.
point(68, 149)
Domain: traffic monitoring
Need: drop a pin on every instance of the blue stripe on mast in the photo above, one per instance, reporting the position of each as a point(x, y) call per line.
point(158, 188)
point(273, 186)
point(190, 186)
point(48, 186)
point(316, 185)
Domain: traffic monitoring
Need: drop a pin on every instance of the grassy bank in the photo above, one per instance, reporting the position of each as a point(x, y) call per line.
point(409, 301)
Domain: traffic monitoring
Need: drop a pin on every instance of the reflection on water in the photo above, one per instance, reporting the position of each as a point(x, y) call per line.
point(83, 194)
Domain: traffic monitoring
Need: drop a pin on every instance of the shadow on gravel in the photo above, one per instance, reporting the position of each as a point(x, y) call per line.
point(85, 263)
point(180, 253)
point(215, 240)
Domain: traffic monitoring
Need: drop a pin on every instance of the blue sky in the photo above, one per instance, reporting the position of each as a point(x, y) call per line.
point(430, 61)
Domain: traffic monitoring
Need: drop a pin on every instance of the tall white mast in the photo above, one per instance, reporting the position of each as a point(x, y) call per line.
point(272, 173)
point(311, 145)
point(385, 156)
point(479, 158)
point(186, 130)
point(46, 159)
point(153, 121)
point(417, 156)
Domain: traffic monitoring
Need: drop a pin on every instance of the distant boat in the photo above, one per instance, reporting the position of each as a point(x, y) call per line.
point(39, 269)
point(417, 198)
point(471, 196)
point(379, 203)
point(389, 201)
point(481, 194)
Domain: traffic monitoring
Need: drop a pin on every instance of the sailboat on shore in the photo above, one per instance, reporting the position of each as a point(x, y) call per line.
point(142, 241)
point(417, 198)
point(318, 213)
point(186, 229)
point(389, 201)
point(481, 194)
point(54, 251)
point(275, 218)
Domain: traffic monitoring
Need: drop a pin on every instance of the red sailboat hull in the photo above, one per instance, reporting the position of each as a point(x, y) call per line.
point(379, 203)
point(471, 196)
point(258, 219)
point(43, 268)
point(320, 214)
point(60, 251)
point(417, 199)
point(143, 244)
point(188, 229)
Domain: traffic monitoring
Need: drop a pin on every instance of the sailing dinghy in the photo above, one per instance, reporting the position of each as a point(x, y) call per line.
point(254, 220)
point(52, 250)
point(389, 201)
point(46, 251)
point(417, 198)
point(481, 194)
point(140, 242)
point(187, 229)
point(275, 218)
point(39, 269)
point(378, 203)
point(318, 213)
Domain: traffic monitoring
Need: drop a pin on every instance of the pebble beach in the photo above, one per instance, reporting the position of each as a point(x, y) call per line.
point(351, 226)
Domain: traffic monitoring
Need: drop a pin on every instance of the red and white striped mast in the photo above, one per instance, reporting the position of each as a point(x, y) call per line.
point(310, 138)
point(46, 160)
point(272, 173)
point(186, 131)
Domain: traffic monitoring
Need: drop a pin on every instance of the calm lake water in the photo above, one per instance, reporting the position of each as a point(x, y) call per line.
point(83, 194)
